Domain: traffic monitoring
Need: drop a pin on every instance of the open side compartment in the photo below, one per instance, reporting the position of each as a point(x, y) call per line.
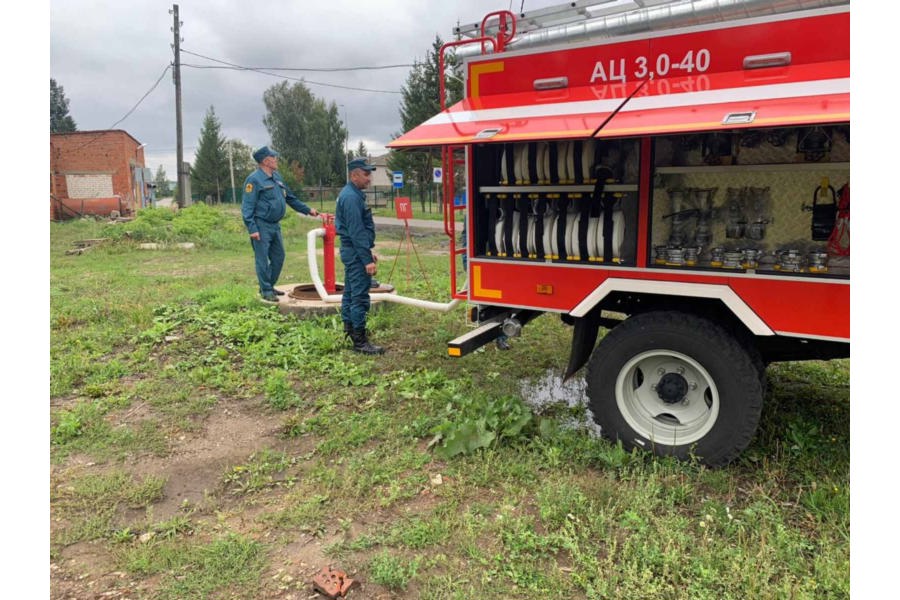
point(570, 201)
point(753, 200)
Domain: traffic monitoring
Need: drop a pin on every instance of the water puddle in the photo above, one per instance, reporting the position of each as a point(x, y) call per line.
point(549, 390)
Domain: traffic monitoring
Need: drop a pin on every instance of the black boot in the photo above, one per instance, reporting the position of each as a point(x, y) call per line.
point(361, 343)
point(348, 330)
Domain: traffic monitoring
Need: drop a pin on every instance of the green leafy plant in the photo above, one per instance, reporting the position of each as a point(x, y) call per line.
point(68, 427)
point(279, 391)
point(482, 422)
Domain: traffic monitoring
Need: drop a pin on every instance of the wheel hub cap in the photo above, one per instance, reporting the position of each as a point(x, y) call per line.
point(672, 388)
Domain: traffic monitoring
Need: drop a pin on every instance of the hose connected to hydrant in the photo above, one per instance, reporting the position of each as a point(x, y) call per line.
point(327, 290)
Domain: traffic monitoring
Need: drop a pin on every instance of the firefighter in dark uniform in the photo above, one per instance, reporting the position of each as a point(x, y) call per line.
point(354, 224)
point(264, 204)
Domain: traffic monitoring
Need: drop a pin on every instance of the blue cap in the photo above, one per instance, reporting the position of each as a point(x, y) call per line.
point(262, 153)
point(360, 163)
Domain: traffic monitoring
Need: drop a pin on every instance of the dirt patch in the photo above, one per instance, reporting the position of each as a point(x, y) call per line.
point(230, 433)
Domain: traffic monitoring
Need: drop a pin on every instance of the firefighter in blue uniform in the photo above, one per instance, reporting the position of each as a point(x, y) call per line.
point(264, 204)
point(354, 224)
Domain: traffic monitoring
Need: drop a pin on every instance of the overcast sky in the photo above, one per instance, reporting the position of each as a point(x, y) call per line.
point(106, 55)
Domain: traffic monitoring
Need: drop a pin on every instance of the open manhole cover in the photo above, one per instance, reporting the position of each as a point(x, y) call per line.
point(307, 291)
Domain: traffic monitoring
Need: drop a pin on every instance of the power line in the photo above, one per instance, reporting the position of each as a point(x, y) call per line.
point(133, 108)
point(316, 69)
point(163, 74)
point(263, 72)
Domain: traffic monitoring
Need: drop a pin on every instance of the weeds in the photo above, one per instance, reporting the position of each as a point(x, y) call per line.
point(259, 473)
point(482, 422)
point(391, 571)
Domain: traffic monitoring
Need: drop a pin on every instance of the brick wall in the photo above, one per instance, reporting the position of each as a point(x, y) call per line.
point(84, 156)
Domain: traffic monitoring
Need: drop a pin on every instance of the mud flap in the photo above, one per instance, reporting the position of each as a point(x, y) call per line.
point(584, 337)
point(583, 340)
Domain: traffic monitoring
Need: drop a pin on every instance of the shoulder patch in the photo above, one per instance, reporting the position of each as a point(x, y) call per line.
point(249, 188)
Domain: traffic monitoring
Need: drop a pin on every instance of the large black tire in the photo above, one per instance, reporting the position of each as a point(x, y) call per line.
point(676, 384)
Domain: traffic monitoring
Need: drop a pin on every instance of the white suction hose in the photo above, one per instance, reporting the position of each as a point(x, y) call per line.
point(326, 297)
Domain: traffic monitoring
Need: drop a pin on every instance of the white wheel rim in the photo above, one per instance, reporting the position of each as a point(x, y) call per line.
point(671, 424)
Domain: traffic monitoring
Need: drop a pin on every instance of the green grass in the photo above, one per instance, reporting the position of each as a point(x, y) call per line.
point(228, 567)
point(86, 508)
point(147, 345)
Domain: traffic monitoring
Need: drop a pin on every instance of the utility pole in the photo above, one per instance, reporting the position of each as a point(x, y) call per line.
point(346, 144)
point(176, 75)
point(231, 170)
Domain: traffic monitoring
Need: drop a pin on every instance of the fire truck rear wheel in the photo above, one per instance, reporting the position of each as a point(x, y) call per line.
point(676, 384)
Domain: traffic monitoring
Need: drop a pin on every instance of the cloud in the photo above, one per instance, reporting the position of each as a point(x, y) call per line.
point(106, 55)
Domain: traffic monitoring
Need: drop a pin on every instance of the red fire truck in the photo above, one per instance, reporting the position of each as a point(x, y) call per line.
point(686, 189)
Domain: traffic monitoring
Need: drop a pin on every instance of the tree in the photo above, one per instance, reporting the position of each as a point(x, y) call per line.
point(241, 160)
point(162, 184)
point(60, 121)
point(306, 130)
point(420, 100)
point(361, 150)
point(209, 173)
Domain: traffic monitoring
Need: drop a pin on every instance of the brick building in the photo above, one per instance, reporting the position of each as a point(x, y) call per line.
point(97, 172)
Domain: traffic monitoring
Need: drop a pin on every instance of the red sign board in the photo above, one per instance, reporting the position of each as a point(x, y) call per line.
point(404, 207)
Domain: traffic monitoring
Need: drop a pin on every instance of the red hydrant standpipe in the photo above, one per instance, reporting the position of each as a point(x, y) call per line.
point(328, 249)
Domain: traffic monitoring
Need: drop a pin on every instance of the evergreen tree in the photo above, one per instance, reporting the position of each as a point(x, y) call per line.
point(162, 184)
point(307, 131)
point(60, 121)
point(209, 173)
point(361, 150)
point(419, 102)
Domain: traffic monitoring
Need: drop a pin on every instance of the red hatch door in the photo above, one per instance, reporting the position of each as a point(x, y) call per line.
point(815, 93)
point(524, 116)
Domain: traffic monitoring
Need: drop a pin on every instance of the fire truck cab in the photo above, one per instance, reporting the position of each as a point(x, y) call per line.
point(685, 188)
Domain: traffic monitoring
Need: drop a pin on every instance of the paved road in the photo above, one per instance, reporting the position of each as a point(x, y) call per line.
point(413, 223)
point(379, 221)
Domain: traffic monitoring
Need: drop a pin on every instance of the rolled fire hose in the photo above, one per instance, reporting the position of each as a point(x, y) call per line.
point(508, 165)
point(561, 164)
point(618, 234)
point(519, 155)
point(594, 236)
point(508, 204)
point(550, 234)
point(498, 235)
point(593, 251)
point(521, 234)
point(540, 209)
point(326, 297)
point(513, 250)
point(571, 236)
point(531, 161)
point(532, 249)
point(570, 162)
point(587, 160)
point(543, 162)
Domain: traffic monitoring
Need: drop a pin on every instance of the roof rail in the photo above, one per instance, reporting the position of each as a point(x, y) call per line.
point(585, 19)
